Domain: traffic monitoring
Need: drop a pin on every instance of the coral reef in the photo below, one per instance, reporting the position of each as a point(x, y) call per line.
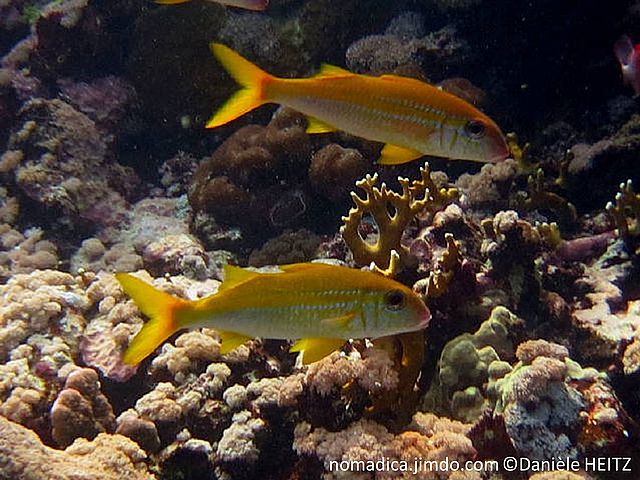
point(80, 410)
point(467, 362)
point(271, 160)
point(58, 158)
point(404, 46)
point(109, 457)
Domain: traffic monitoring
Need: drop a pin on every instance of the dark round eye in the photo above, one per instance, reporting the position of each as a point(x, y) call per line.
point(475, 128)
point(394, 300)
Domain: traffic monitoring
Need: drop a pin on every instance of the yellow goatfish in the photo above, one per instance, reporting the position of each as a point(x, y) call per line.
point(411, 117)
point(321, 305)
point(257, 5)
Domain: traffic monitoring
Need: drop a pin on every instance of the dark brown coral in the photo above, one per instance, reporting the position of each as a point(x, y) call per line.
point(245, 180)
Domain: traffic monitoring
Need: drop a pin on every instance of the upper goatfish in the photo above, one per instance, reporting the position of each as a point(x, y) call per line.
point(257, 5)
point(322, 305)
point(411, 117)
point(629, 57)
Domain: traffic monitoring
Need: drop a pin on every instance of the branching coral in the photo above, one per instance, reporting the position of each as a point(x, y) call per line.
point(626, 213)
point(539, 198)
point(392, 213)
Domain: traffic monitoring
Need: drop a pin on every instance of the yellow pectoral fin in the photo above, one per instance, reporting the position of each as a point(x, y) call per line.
point(341, 322)
point(317, 126)
point(231, 341)
point(395, 155)
point(314, 349)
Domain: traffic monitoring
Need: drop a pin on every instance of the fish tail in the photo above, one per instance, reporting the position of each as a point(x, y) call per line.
point(252, 78)
point(162, 310)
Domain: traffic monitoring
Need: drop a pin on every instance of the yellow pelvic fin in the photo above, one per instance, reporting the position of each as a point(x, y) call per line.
point(160, 307)
point(395, 155)
point(318, 126)
point(314, 349)
point(339, 322)
point(251, 77)
point(170, 2)
point(234, 276)
point(231, 341)
point(328, 70)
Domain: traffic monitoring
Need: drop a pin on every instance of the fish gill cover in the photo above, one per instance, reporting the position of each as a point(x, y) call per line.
point(526, 269)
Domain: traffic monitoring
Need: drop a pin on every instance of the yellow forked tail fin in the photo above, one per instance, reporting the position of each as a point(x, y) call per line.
point(160, 307)
point(251, 77)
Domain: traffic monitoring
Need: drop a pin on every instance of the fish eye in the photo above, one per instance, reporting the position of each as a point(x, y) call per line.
point(475, 128)
point(394, 300)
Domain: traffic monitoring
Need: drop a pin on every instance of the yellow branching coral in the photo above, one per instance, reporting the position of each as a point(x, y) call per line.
point(540, 199)
point(520, 154)
point(626, 211)
point(392, 212)
point(550, 233)
point(438, 280)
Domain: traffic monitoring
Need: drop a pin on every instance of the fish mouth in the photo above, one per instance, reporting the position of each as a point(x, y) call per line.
point(424, 319)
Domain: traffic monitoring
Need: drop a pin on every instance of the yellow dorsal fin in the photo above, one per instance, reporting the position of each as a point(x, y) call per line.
point(314, 349)
point(231, 341)
point(395, 155)
point(318, 126)
point(234, 276)
point(302, 267)
point(328, 70)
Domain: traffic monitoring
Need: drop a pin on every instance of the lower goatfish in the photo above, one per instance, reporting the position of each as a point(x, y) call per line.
point(257, 5)
point(321, 305)
point(411, 117)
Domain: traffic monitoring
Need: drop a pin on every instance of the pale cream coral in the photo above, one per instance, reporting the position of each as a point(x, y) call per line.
point(374, 371)
point(428, 438)
point(107, 457)
point(238, 441)
point(160, 404)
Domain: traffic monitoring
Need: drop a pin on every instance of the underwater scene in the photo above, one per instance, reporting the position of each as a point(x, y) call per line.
point(319, 240)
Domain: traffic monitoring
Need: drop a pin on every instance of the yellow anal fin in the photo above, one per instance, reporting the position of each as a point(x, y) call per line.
point(314, 349)
point(395, 155)
point(317, 126)
point(231, 341)
point(339, 322)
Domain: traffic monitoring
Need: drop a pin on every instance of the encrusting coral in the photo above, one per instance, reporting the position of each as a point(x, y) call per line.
point(467, 362)
point(392, 212)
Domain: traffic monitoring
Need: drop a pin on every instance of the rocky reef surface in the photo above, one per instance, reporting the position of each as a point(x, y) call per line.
point(530, 267)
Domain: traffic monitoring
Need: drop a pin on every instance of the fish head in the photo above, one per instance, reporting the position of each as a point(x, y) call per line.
point(480, 140)
point(628, 56)
point(402, 310)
